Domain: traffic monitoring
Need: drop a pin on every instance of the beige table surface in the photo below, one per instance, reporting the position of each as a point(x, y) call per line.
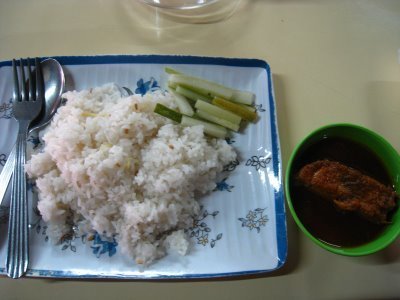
point(333, 61)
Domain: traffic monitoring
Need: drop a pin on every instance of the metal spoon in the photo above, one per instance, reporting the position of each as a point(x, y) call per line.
point(54, 82)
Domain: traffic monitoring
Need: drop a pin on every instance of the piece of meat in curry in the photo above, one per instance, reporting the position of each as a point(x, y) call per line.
point(349, 190)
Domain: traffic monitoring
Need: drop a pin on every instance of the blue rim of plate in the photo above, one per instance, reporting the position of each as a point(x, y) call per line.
point(281, 230)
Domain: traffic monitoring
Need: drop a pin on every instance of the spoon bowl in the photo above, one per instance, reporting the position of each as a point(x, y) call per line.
point(54, 82)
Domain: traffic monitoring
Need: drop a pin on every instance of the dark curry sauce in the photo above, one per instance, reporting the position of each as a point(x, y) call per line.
point(319, 216)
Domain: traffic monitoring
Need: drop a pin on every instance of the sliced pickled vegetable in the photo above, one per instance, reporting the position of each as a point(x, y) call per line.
point(217, 107)
point(208, 88)
point(216, 120)
point(209, 128)
point(235, 108)
point(170, 70)
point(248, 107)
point(191, 94)
point(183, 104)
point(168, 113)
point(243, 97)
point(218, 112)
point(201, 86)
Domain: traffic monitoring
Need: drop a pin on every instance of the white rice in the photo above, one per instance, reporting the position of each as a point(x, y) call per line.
point(113, 166)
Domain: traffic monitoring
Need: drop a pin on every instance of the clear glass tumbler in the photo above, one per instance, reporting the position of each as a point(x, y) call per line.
point(179, 4)
point(195, 11)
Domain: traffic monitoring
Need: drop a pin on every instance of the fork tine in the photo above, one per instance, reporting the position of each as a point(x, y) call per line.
point(24, 96)
point(39, 81)
point(16, 83)
point(32, 94)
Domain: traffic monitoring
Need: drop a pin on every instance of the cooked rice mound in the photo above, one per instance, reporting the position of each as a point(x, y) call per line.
point(110, 165)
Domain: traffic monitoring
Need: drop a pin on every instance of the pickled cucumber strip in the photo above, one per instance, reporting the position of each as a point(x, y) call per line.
point(235, 108)
point(216, 120)
point(170, 70)
point(218, 112)
point(243, 97)
point(191, 94)
point(209, 128)
point(183, 104)
point(201, 86)
point(248, 107)
point(168, 113)
point(208, 88)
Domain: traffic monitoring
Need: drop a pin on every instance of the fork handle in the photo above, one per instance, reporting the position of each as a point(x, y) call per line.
point(18, 242)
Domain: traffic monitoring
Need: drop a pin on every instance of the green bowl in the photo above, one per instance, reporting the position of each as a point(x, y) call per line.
point(391, 161)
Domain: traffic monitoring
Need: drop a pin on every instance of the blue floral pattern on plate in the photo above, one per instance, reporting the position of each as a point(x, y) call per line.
point(259, 108)
point(35, 141)
point(99, 244)
point(201, 231)
point(102, 245)
point(6, 110)
point(3, 159)
point(259, 162)
point(255, 219)
point(146, 86)
point(224, 186)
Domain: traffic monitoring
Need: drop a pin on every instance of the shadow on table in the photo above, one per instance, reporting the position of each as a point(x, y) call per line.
point(389, 255)
point(382, 98)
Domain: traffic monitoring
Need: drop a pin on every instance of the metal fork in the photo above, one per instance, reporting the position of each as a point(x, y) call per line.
point(26, 107)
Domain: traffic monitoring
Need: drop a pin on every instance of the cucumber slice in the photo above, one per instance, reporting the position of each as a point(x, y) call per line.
point(235, 108)
point(248, 107)
point(168, 113)
point(191, 94)
point(243, 97)
point(201, 86)
point(218, 112)
point(208, 88)
point(216, 120)
point(170, 70)
point(183, 104)
point(210, 129)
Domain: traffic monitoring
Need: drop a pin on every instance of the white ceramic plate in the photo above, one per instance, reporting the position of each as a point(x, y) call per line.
point(242, 227)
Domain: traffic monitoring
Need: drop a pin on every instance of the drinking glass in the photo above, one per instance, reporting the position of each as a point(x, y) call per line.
point(179, 4)
point(194, 11)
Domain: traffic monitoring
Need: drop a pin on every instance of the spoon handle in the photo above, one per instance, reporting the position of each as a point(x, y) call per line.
point(6, 173)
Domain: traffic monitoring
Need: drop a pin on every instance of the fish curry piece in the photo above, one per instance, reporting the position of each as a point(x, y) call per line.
point(349, 189)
